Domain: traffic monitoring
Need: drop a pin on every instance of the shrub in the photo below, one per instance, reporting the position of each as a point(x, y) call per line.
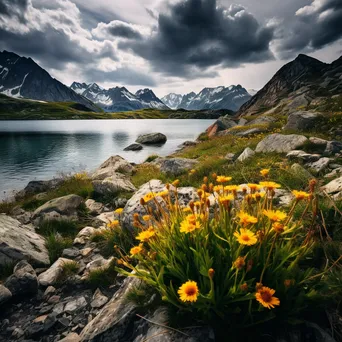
point(63, 227)
point(230, 256)
point(104, 276)
point(151, 158)
point(55, 245)
point(70, 268)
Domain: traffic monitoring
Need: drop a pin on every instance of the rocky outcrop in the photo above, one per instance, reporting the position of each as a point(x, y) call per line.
point(112, 323)
point(175, 166)
point(111, 166)
point(113, 185)
point(281, 143)
point(246, 154)
point(65, 206)
point(222, 124)
point(151, 138)
point(23, 280)
point(302, 120)
point(95, 208)
point(52, 275)
point(36, 187)
point(19, 242)
point(334, 187)
point(84, 235)
point(133, 147)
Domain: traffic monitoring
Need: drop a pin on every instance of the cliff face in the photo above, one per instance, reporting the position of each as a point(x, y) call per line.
point(298, 82)
point(21, 77)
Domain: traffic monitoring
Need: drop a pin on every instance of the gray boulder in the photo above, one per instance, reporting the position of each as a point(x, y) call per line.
point(84, 235)
point(5, 294)
point(303, 156)
point(326, 147)
point(66, 206)
point(246, 154)
point(319, 165)
point(263, 120)
point(334, 186)
point(95, 208)
point(111, 166)
point(221, 124)
point(151, 138)
point(302, 120)
point(175, 166)
point(133, 147)
point(52, 275)
point(281, 143)
point(36, 187)
point(23, 280)
point(113, 321)
point(99, 299)
point(19, 242)
point(114, 184)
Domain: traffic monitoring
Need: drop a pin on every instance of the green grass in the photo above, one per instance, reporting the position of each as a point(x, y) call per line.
point(70, 268)
point(102, 277)
point(151, 158)
point(55, 245)
point(65, 228)
point(106, 239)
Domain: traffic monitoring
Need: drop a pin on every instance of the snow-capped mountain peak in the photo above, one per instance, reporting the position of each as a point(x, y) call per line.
point(118, 98)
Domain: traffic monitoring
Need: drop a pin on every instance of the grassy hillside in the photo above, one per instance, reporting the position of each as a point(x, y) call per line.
point(19, 109)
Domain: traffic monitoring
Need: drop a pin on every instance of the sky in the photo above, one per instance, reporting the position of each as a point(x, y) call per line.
point(170, 45)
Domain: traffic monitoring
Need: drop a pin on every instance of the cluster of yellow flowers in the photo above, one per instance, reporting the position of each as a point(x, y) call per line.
point(215, 201)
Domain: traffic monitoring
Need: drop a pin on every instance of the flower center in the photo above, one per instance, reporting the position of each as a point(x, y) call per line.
point(266, 297)
point(190, 291)
point(245, 237)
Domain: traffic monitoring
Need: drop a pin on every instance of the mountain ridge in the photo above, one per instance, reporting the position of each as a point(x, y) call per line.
point(22, 77)
point(297, 84)
point(118, 99)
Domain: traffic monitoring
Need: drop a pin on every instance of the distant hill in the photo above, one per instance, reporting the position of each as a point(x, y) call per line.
point(232, 98)
point(22, 77)
point(304, 83)
point(118, 99)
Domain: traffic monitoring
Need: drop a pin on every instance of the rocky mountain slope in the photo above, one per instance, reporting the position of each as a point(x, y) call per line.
point(172, 100)
point(304, 83)
point(118, 99)
point(21, 77)
point(231, 98)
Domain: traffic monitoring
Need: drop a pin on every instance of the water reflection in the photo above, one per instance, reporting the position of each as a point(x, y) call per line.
point(41, 149)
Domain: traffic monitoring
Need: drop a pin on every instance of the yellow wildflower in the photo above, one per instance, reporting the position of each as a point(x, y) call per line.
point(265, 297)
point(118, 211)
point(270, 185)
point(113, 224)
point(148, 197)
point(275, 215)
point(300, 195)
point(239, 263)
point(146, 235)
point(188, 292)
point(136, 250)
point(190, 224)
point(146, 218)
point(223, 179)
point(265, 172)
point(246, 219)
point(246, 237)
point(254, 187)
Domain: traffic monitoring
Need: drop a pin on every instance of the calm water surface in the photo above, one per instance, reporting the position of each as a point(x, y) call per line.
point(41, 150)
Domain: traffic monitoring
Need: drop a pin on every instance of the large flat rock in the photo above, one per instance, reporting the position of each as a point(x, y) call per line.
point(281, 143)
point(19, 242)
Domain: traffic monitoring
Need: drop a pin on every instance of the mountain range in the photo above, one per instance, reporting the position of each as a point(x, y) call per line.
point(232, 97)
point(304, 83)
point(21, 77)
point(118, 99)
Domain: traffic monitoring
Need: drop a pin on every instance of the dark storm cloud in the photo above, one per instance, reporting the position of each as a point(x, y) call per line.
point(126, 76)
point(51, 46)
point(199, 34)
point(124, 31)
point(14, 8)
point(316, 26)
